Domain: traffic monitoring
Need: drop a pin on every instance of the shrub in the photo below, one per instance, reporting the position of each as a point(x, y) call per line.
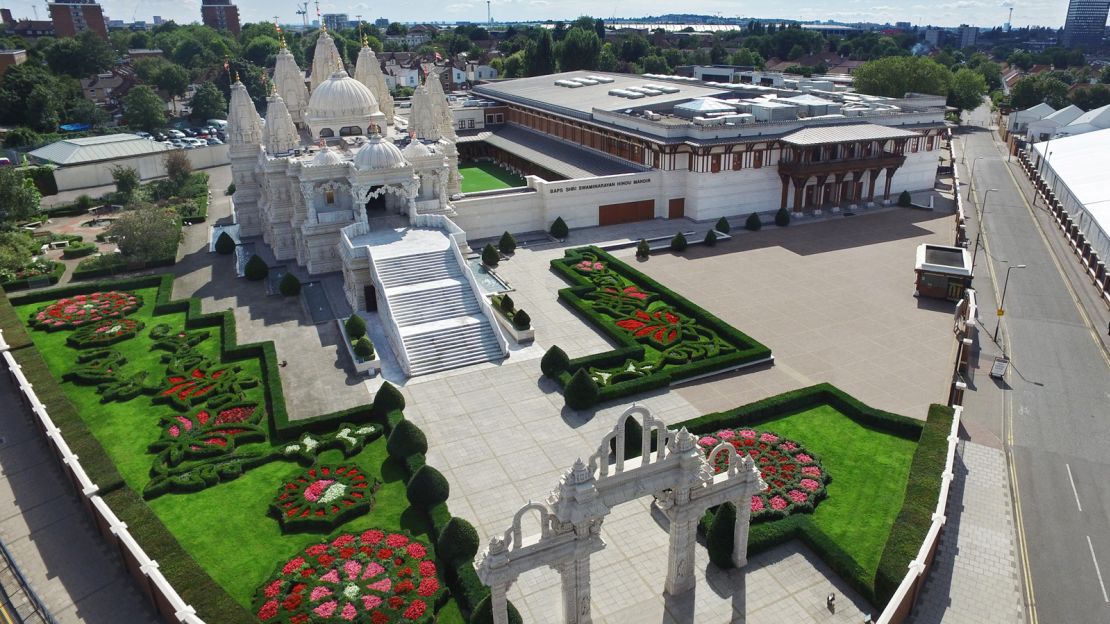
point(483, 613)
point(387, 399)
point(711, 238)
point(256, 269)
point(582, 391)
point(78, 250)
point(428, 487)
point(406, 439)
point(559, 229)
point(290, 286)
point(230, 189)
point(355, 326)
point(754, 223)
point(225, 245)
point(722, 226)
point(678, 243)
point(364, 348)
point(506, 304)
point(521, 320)
point(554, 362)
point(782, 218)
point(904, 200)
point(84, 203)
point(719, 539)
point(458, 542)
point(490, 257)
point(643, 250)
point(507, 244)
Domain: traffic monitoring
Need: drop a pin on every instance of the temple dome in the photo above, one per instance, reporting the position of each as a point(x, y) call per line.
point(416, 149)
point(325, 157)
point(341, 96)
point(379, 154)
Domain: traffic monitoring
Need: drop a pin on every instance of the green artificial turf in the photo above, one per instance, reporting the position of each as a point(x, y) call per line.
point(481, 176)
point(226, 527)
point(869, 470)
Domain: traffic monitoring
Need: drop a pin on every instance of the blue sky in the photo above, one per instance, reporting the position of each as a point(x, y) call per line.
point(941, 12)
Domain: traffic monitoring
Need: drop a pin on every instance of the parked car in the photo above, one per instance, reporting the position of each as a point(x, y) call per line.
point(189, 132)
point(214, 141)
point(145, 135)
point(168, 144)
point(175, 134)
point(217, 123)
point(178, 143)
point(158, 136)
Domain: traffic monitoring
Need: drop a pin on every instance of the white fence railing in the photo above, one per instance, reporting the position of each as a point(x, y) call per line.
point(145, 570)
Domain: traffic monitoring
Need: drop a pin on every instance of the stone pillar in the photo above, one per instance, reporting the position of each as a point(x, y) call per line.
point(680, 553)
point(575, 580)
point(740, 533)
point(499, 603)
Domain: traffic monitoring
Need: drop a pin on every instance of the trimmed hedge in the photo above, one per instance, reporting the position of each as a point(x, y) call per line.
point(554, 362)
point(458, 542)
point(711, 238)
point(111, 264)
point(78, 250)
point(53, 277)
point(559, 229)
point(363, 348)
point(388, 399)
point(720, 537)
point(643, 250)
point(355, 327)
point(406, 439)
point(427, 487)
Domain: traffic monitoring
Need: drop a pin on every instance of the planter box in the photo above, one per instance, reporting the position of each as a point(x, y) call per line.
point(361, 366)
point(526, 336)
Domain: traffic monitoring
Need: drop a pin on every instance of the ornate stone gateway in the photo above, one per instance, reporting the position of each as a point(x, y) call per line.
point(678, 474)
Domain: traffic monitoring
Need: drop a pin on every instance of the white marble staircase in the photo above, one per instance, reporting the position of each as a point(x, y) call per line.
point(438, 317)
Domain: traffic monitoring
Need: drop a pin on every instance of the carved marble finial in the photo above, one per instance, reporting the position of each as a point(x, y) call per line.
point(496, 545)
point(579, 472)
point(684, 440)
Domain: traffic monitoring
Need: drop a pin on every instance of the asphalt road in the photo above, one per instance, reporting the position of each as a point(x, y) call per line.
point(1058, 408)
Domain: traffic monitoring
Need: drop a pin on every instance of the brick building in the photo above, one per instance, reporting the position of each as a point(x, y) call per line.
point(221, 15)
point(71, 17)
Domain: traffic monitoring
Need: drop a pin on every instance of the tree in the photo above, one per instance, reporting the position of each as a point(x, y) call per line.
point(540, 55)
point(710, 238)
point(507, 244)
point(127, 181)
point(142, 108)
point(655, 64)
point(355, 327)
point(582, 391)
point(747, 58)
point(490, 257)
point(22, 137)
point(178, 168)
point(208, 103)
point(967, 90)
point(898, 75)
point(256, 269)
point(1104, 77)
point(643, 250)
point(579, 50)
point(173, 79)
point(261, 50)
point(80, 56)
point(147, 232)
point(16, 251)
point(559, 229)
point(19, 198)
point(43, 109)
point(514, 65)
point(1023, 60)
point(753, 223)
point(720, 536)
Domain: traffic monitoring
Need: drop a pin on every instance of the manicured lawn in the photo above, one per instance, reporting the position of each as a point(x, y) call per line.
point(226, 527)
point(869, 472)
point(487, 177)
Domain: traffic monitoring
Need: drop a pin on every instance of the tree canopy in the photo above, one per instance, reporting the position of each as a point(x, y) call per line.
point(142, 108)
point(895, 76)
point(208, 103)
point(540, 55)
point(19, 199)
point(81, 56)
point(967, 90)
point(579, 49)
point(147, 232)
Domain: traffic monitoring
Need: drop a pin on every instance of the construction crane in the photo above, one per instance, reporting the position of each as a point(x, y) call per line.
point(1010, 19)
point(302, 10)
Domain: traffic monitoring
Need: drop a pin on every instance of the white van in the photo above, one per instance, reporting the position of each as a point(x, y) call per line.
point(219, 124)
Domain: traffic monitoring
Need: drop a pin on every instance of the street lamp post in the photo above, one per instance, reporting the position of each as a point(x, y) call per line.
point(971, 183)
point(1002, 302)
point(979, 236)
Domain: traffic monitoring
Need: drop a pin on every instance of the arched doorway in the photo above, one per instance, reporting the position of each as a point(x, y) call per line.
point(370, 293)
point(376, 204)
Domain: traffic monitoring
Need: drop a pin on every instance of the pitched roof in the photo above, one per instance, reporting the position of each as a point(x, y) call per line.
point(820, 135)
point(98, 148)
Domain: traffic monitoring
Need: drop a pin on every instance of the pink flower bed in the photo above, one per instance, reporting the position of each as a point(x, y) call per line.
point(795, 479)
point(374, 576)
point(323, 497)
point(79, 310)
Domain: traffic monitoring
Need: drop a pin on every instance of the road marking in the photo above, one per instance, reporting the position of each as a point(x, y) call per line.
point(1097, 571)
point(5, 615)
point(1073, 490)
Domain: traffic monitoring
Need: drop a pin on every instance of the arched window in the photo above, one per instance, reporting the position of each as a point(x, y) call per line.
point(327, 133)
point(329, 197)
point(350, 131)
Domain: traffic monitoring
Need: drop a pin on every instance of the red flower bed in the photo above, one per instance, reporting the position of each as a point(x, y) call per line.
point(374, 577)
point(323, 497)
point(795, 479)
point(104, 333)
point(80, 310)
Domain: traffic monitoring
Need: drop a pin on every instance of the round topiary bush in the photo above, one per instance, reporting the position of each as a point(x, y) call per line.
point(225, 245)
point(406, 440)
point(290, 286)
point(719, 538)
point(355, 326)
point(506, 304)
point(554, 362)
point(722, 226)
point(483, 613)
point(387, 399)
point(582, 391)
point(559, 229)
point(904, 200)
point(458, 542)
point(754, 223)
point(490, 257)
point(507, 244)
point(256, 269)
point(678, 243)
point(521, 320)
point(643, 250)
point(427, 488)
point(782, 218)
point(364, 348)
point(711, 238)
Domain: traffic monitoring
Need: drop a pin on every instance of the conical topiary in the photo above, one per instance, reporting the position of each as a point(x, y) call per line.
point(225, 245)
point(719, 538)
point(554, 362)
point(722, 226)
point(521, 320)
point(507, 305)
point(904, 200)
point(405, 440)
point(507, 244)
point(427, 488)
point(355, 326)
point(754, 223)
point(643, 250)
point(782, 218)
point(387, 399)
point(582, 391)
point(290, 286)
point(678, 243)
point(256, 269)
point(711, 238)
point(490, 257)
point(559, 229)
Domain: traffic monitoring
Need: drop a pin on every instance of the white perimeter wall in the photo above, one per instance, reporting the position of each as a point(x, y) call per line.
point(148, 166)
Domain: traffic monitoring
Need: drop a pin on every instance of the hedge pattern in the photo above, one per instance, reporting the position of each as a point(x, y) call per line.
point(664, 337)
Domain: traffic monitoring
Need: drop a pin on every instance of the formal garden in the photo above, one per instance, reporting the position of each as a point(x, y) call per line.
point(663, 336)
point(253, 516)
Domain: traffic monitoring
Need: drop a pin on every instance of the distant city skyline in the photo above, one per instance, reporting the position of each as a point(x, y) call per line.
point(983, 13)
